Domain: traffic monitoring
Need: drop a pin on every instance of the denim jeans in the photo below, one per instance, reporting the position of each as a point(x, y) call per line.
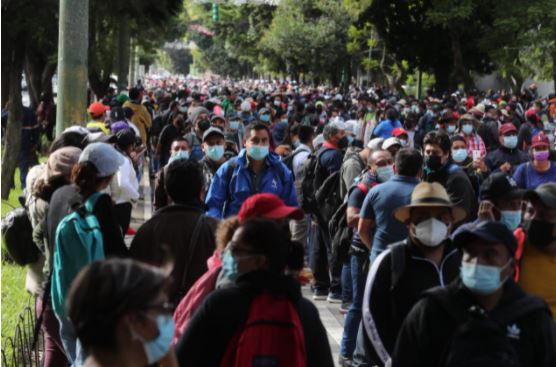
point(72, 346)
point(347, 286)
point(353, 317)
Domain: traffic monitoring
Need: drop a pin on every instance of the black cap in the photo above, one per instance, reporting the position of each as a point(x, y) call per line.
point(546, 193)
point(486, 230)
point(117, 114)
point(500, 186)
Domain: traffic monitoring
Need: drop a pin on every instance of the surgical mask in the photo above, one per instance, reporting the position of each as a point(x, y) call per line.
point(277, 103)
point(433, 162)
point(539, 232)
point(541, 155)
point(467, 129)
point(459, 155)
point(511, 218)
point(415, 108)
point(230, 266)
point(215, 152)
point(451, 129)
point(431, 232)
point(403, 142)
point(296, 143)
point(234, 125)
point(349, 139)
point(265, 117)
point(482, 279)
point(180, 154)
point(157, 348)
point(258, 152)
point(385, 173)
point(510, 142)
point(183, 109)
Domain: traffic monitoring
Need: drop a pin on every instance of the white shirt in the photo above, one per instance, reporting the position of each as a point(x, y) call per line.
point(301, 157)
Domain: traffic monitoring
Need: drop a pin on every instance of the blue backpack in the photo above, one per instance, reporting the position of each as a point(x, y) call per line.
point(78, 243)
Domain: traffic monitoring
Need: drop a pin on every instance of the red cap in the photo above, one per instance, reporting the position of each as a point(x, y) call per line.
point(399, 131)
point(97, 109)
point(506, 128)
point(267, 206)
point(540, 140)
point(530, 112)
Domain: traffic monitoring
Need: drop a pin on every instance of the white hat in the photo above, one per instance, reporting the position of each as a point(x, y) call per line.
point(375, 144)
point(104, 157)
point(390, 142)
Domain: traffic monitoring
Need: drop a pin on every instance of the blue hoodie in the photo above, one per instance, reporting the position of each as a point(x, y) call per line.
point(225, 198)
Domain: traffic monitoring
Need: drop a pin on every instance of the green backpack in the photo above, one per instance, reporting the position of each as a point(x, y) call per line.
point(78, 243)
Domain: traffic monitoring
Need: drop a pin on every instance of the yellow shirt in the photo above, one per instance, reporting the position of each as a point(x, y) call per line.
point(99, 124)
point(141, 118)
point(538, 275)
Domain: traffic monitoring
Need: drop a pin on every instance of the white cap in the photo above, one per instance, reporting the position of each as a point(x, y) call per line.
point(106, 159)
point(390, 142)
point(246, 106)
point(375, 144)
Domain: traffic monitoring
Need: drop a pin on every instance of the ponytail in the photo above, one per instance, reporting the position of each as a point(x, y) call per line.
point(84, 177)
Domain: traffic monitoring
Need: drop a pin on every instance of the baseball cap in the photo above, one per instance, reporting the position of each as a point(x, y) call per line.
point(540, 140)
point(97, 109)
point(212, 131)
point(487, 231)
point(500, 186)
point(546, 193)
point(267, 205)
point(104, 157)
point(399, 131)
point(506, 128)
point(375, 144)
point(390, 142)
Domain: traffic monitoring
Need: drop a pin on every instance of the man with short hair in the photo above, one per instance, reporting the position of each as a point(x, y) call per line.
point(507, 156)
point(439, 167)
point(178, 150)
point(501, 200)
point(255, 170)
point(168, 135)
point(180, 231)
point(213, 147)
point(483, 317)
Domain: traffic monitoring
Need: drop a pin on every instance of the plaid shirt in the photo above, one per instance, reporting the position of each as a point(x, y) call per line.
point(474, 142)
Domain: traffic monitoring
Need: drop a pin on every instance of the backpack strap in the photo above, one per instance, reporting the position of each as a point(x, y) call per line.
point(232, 164)
point(91, 201)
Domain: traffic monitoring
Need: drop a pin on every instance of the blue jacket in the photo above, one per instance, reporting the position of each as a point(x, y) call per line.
point(229, 190)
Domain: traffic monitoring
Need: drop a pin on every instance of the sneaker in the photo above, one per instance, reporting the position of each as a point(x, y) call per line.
point(319, 295)
point(334, 298)
point(344, 308)
point(345, 361)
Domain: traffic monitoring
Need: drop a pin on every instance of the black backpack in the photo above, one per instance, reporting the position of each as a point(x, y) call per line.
point(310, 180)
point(481, 340)
point(17, 234)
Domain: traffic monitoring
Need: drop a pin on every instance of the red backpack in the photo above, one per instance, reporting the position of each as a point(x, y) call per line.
point(272, 336)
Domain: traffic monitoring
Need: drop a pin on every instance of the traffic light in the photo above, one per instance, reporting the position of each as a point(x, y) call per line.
point(215, 15)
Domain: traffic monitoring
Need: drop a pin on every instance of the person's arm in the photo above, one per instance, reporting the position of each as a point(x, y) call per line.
point(111, 233)
point(127, 181)
point(518, 176)
point(355, 199)
point(366, 220)
point(160, 196)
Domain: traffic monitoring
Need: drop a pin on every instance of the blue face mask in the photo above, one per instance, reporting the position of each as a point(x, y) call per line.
point(277, 103)
point(296, 143)
point(459, 155)
point(180, 154)
point(482, 279)
point(384, 173)
point(215, 152)
point(511, 218)
point(403, 142)
point(510, 142)
point(467, 129)
point(451, 129)
point(234, 125)
point(350, 139)
point(265, 117)
point(157, 348)
point(258, 152)
point(230, 266)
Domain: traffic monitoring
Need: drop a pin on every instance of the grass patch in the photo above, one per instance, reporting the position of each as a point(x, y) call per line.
point(12, 202)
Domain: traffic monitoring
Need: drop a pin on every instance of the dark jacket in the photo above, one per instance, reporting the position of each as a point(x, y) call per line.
point(170, 229)
point(475, 177)
point(498, 157)
point(488, 131)
point(428, 329)
point(160, 194)
point(223, 313)
point(458, 186)
point(389, 304)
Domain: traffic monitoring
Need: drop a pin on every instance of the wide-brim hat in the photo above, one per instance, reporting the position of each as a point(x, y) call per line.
point(429, 195)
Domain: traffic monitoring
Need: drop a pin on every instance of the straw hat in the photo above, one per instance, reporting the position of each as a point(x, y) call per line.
point(429, 195)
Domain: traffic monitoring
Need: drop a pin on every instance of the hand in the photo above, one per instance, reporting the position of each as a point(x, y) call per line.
point(480, 164)
point(506, 167)
point(485, 210)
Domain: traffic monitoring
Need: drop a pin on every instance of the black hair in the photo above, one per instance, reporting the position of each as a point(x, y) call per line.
point(391, 114)
point(104, 291)
point(438, 138)
point(257, 127)
point(68, 139)
point(455, 138)
point(408, 162)
point(134, 94)
point(305, 134)
point(184, 181)
point(180, 138)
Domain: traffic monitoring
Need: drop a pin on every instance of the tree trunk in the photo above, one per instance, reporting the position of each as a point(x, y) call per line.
point(554, 68)
point(12, 140)
point(5, 78)
point(442, 76)
point(123, 53)
point(458, 74)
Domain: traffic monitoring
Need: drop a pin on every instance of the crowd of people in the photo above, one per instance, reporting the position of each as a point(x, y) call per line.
point(430, 222)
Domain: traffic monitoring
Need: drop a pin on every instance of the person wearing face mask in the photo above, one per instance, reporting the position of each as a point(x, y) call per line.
point(508, 156)
point(168, 134)
point(213, 147)
point(355, 161)
point(474, 141)
point(256, 169)
point(483, 317)
point(264, 116)
point(501, 200)
point(473, 169)
point(540, 169)
point(256, 259)
point(439, 167)
point(538, 243)
point(126, 322)
point(178, 150)
point(425, 259)
point(235, 129)
point(199, 117)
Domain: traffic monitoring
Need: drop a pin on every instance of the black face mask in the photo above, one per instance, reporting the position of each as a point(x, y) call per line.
point(203, 125)
point(539, 232)
point(343, 142)
point(433, 162)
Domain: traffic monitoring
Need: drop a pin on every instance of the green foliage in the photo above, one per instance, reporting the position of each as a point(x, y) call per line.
point(14, 299)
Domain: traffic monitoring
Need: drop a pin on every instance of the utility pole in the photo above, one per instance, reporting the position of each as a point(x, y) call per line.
point(73, 42)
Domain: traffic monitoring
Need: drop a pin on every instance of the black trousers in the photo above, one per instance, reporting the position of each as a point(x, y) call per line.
point(123, 215)
point(327, 270)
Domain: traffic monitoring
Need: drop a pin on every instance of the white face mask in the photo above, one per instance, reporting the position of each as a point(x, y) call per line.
point(431, 232)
